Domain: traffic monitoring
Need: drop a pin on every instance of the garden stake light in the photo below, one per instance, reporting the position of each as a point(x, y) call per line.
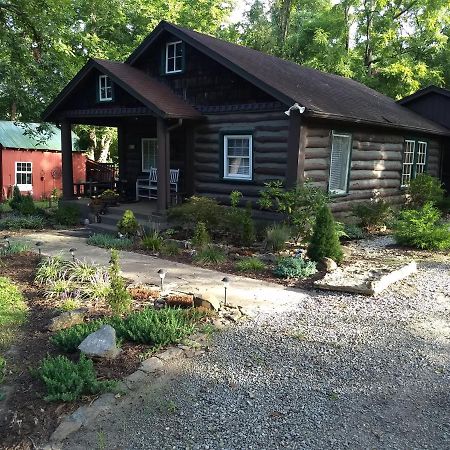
point(72, 252)
point(6, 238)
point(162, 275)
point(39, 244)
point(225, 282)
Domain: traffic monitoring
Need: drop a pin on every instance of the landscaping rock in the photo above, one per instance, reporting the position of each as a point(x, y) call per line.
point(65, 428)
point(151, 365)
point(207, 300)
point(328, 265)
point(101, 344)
point(67, 319)
point(171, 353)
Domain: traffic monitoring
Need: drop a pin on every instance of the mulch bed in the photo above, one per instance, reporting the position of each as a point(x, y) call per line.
point(26, 419)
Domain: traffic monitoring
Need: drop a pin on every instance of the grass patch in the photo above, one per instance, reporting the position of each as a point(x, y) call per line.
point(109, 241)
point(210, 255)
point(150, 326)
point(250, 265)
point(13, 222)
point(14, 248)
point(13, 311)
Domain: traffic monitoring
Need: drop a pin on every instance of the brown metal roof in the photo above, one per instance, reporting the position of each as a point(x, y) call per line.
point(153, 93)
point(323, 94)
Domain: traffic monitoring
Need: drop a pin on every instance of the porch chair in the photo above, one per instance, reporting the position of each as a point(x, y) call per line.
point(150, 184)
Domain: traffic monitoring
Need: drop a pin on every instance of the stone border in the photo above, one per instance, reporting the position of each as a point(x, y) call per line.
point(150, 369)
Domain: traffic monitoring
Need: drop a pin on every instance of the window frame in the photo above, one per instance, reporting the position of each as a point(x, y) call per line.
point(105, 98)
point(143, 140)
point(166, 63)
point(226, 136)
point(21, 186)
point(415, 162)
point(341, 192)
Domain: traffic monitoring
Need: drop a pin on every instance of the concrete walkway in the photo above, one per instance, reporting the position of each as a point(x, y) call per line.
point(253, 295)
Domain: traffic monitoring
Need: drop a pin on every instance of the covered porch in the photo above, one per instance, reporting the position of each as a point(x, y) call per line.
point(154, 128)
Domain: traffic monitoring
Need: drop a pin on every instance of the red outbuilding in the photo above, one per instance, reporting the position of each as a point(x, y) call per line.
point(31, 163)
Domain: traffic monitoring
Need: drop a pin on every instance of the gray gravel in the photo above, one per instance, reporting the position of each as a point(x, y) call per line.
point(337, 371)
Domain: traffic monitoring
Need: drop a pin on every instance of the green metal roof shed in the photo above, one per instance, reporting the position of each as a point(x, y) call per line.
point(20, 136)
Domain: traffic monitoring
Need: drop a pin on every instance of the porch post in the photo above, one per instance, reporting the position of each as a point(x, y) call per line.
point(66, 159)
point(162, 165)
point(295, 151)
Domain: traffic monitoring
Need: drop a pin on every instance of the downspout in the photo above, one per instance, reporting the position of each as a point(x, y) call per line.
point(295, 146)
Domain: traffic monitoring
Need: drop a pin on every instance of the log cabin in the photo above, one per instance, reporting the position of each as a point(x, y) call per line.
point(433, 102)
point(232, 118)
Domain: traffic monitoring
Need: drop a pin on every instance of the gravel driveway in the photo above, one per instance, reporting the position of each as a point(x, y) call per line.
point(337, 371)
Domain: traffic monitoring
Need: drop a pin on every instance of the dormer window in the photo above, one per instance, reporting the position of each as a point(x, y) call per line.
point(174, 57)
point(104, 88)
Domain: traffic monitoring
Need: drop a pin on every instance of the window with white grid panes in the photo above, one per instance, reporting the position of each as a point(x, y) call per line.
point(174, 57)
point(24, 178)
point(237, 157)
point(421, 157)
point(408, 162)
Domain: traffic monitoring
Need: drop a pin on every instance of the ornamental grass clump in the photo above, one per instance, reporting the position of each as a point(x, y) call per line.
point(210, 255)
point(251, 264)
point(67, 381)
point(325, 241)
point(422, 228)
point(277, 236)
point(289, 267)
point(201, 238)
point(109, 241)
point(153, 241)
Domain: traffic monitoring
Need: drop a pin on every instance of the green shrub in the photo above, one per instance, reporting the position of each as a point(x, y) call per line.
point(67, 215)
point(289, 267)
point(119, 299)
point(300, 204)
point(13, 222)
point(210, 255)
point(157, 327)
point(67, 381)
point(27, 206)
point(14, 248)
point(109, 241)
point(276, 237)
point(128, 225)
point(250, 265)
point(353, 231)
point(69, 339)
point(153, 241)
point(170, 248)
point(197, 209)
point(373, 215)
point(16, 200)
point(149, 326)
point(238, 222)
point(422, 228)
point(201, 237)
point(444, 205)
point(424, 189)
point(325, 241)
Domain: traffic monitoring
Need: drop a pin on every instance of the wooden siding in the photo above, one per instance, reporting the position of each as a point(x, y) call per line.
point(376, 165)
point(270, 135)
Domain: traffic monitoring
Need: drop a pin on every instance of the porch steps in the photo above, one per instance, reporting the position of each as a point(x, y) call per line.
point(113, 214)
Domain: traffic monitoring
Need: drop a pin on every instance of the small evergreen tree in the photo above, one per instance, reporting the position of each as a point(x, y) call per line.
point(16, 200)
point(128, 224)
point(201, 238)
point(27, 206)
point(325, 241)
point(119, 299)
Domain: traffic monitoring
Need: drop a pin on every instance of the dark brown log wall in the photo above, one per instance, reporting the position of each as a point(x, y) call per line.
point(375, 169)
point(270, 134)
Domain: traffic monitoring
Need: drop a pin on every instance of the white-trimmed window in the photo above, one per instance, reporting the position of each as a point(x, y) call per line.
point(104, 88)
point(24, 176)
point(408, 162)
point(341, 148)
point(149, 151)
point(414, 160)
point(174, 57)
point(237, 157)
